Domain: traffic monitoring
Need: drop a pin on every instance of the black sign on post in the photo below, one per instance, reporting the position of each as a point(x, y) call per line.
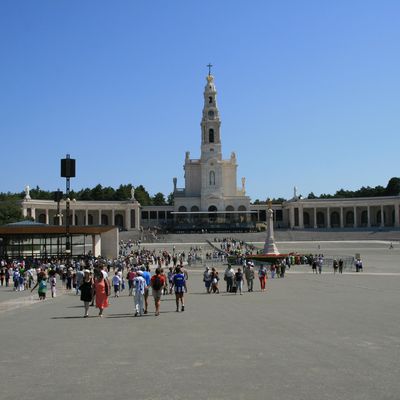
point(67, 167)
point(67, 171)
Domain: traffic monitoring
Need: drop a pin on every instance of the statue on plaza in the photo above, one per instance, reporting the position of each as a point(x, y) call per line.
point(27, 195)
point(133, 193)
point(269, 245)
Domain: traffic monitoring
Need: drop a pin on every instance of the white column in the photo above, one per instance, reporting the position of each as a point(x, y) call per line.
point(369, 216)
point(47, 215)
point(86, 217)
point(355, 216)
point(396, 215)
point(315, 218)
point(382, 217)
point(100, 211)
point(128, 218)
point(24, 212)
point(301, 217)
point(328, 218)
point(73, 216)
point(112, 216)
point(33, 213)
point(138, 217)
point(96, 245)
point(291, 218)
point(341, 218)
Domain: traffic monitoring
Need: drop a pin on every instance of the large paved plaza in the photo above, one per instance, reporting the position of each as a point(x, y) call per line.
point(307, 337)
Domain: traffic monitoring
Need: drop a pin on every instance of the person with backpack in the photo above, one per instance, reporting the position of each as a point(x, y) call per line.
point(157, 283)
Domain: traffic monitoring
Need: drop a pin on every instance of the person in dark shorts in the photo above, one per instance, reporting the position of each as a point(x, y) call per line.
point(180, 288)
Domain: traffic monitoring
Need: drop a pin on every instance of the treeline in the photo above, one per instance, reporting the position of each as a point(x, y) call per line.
point(391, 189)
point(98, 193)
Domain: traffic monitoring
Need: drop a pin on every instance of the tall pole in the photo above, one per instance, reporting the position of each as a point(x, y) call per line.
point(67, 171)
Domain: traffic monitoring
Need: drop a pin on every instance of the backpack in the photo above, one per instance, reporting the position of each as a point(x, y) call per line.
point(157, 284)
point(42, 285)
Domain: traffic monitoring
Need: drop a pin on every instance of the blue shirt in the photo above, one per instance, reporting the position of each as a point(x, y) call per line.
point(179, 282)
point(147, 277)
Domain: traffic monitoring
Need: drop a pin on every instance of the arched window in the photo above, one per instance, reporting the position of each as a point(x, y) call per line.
point(229, 216)
point(212, 216)
point(119, 220)
point(104, 219)
point(364, 218)
point(211, 135)
point(320, 219)
point(90, 219)
point(306, 219)
point(42, 218)
point(350, 218)
point(335, 219)
point(212, 178)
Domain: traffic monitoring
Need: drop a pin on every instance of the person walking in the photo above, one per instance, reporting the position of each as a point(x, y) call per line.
point(228, 277)
point(214, 280)
point(139, 284)
point(86, 289)
point(147, 277)
point(180, 289)
point(249, 274)
point(340, 266)
point(116, 281)
point(262, 276)
point(207, 279)
point(239, 281)
point(335, 266)
point(102, 289)
point(157, 283)
point(53, 283)
point(41, 284)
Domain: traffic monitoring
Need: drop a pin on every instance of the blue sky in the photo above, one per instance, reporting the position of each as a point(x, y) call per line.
point(308, 91)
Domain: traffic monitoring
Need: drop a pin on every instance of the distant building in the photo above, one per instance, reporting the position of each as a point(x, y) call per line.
point(211, 199)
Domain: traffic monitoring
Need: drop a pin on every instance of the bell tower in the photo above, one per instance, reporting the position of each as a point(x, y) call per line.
point(210, 122)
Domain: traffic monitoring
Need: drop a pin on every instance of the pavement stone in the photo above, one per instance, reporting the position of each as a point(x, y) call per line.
point(306, 337)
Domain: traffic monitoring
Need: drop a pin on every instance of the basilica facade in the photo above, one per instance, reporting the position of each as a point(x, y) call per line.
point(211, 199)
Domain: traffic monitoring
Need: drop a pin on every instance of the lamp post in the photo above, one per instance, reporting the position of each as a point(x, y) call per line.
point(68, 172)
point(58, 194)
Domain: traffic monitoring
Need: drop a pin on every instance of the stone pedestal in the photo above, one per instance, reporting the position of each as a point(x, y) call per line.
point(270, 246)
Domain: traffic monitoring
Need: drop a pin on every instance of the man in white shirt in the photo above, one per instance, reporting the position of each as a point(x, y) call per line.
point(139, 284)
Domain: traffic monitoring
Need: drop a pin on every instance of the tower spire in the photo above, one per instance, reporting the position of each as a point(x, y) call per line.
point(209, 68)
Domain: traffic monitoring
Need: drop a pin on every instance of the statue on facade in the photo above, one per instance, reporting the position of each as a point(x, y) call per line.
point(27, 195)
point(175, 180)
point(295, 193)
point(243, 184)
point(133, 193)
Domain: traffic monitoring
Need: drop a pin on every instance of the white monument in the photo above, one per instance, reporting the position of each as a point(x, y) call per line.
point(270, 246)
point(27, 195)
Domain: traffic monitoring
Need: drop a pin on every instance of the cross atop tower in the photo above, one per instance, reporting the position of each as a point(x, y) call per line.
point(209, 68)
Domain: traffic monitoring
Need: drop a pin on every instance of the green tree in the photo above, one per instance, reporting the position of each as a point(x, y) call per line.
point(312, 196)
point(158, 199)
point(123, 192)
point(10, 211)
point(142, 196)
point(170, 199)
point(393, 187)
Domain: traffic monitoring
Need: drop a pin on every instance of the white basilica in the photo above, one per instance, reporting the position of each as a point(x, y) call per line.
point(210, 190)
